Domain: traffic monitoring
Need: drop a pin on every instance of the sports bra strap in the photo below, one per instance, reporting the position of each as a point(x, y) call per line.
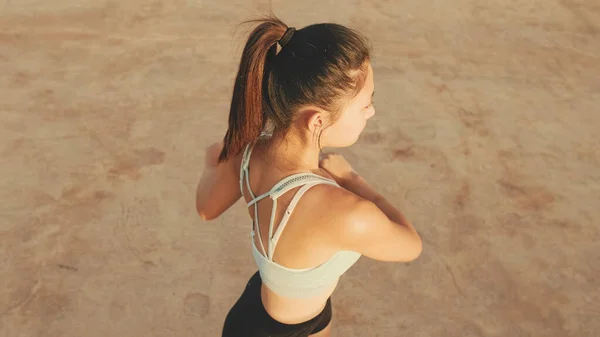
point(289, 183)
point(246, 157)
point(244, 169)
point(286, 184)
point(273, 239)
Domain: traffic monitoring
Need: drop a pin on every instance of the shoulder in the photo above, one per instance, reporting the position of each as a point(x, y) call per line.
point(357, 224)
point(251, 150)
point(212, 154)
point(344, 211)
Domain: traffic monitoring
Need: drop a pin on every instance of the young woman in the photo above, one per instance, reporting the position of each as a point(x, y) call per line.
point(296, 92)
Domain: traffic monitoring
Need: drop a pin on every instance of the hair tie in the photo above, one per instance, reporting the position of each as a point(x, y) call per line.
point(287, 36)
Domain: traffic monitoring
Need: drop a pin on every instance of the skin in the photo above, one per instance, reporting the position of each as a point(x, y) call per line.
point(315, 230)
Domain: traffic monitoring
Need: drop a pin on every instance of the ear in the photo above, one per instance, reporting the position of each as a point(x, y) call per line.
point(315, 120)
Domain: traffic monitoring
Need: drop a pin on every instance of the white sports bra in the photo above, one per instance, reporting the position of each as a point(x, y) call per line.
point(285, 281)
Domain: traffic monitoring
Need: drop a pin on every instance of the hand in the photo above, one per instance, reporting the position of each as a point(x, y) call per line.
point(337, 166)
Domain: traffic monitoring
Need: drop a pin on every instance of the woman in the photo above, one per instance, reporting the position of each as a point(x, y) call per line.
point(313, 215)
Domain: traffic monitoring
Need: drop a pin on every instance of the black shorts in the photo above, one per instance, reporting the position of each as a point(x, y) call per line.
point(248, 317)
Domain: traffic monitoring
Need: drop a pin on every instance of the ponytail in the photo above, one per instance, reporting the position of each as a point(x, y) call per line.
point(246, 114)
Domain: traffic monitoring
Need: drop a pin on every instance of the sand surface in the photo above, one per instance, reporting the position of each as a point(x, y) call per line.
point(487, 134)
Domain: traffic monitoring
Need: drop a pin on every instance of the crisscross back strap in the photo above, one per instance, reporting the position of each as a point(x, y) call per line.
point(295, 180)
point(274, 238)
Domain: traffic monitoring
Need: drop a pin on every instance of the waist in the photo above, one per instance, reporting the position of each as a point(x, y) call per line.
point(291, 310)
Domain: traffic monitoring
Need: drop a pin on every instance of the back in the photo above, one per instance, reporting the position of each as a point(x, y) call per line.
point(292, 243)
point(306, 241)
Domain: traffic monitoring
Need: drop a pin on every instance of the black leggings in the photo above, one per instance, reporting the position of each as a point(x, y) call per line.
point(248, 317)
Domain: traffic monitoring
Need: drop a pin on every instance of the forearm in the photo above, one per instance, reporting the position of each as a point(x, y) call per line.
point(359, 186)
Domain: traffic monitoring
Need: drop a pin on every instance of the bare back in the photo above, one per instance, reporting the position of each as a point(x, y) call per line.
point(306, 242)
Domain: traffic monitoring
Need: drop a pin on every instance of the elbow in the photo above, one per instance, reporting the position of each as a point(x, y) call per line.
point(417, 249)
point(204, 214)
point(203, 209)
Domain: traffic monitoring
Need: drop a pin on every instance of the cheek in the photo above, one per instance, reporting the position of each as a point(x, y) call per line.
point(346, 126)
point(345, 132)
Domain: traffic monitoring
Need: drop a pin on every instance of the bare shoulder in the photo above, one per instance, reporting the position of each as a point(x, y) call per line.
point(352, 210)
point(218, 188)
point(357, 224)
point(340, 208)
point(335, 198)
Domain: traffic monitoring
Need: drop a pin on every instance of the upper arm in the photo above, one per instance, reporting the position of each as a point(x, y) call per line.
point(367, 230)
point(219, 186)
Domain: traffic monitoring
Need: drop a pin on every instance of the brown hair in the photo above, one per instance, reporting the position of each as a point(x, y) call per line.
point(322, 65)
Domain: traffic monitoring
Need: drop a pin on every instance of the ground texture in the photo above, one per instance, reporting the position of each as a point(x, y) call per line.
point(486, 134)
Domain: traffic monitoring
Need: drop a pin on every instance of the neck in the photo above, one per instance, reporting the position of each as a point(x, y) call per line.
point(293, 151)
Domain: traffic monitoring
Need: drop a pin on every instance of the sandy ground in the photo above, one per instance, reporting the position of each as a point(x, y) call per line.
point(486, 134)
